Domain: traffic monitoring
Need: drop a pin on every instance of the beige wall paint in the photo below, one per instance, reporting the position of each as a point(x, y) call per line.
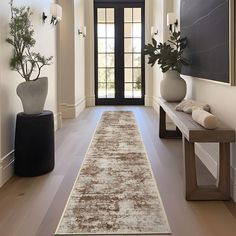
point(160, 9)
point(148, 37)
point(79, 51)
point(71, 59)
point(221, 98)
point(158, 22)
point(67, 53)
point(89, 56)
point(9, 102)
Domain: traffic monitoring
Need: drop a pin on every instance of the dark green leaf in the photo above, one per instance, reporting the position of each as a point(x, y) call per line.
point(168, 54)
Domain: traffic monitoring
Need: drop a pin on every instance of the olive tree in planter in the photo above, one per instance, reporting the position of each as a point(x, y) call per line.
point(28, 64)
point(169, 57)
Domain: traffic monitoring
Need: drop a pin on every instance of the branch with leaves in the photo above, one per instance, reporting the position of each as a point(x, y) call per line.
point(167, 55)
point(24, 61)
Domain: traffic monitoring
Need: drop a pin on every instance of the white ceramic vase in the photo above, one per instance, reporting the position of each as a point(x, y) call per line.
point(33, 95)
point(173, 87)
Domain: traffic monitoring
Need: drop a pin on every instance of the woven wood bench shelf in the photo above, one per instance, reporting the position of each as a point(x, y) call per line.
point(192, 132)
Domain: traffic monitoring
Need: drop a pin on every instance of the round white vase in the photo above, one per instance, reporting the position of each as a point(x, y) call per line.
point(173, 87)
point(33, 95)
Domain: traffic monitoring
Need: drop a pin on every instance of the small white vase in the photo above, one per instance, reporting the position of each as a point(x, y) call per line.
point(173, 87)
point(33, 95)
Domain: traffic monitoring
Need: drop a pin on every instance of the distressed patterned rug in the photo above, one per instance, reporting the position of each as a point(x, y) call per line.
point(115, 192)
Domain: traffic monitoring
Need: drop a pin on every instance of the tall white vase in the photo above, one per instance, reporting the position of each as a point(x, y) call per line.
point(33, 95)
point(173, 87)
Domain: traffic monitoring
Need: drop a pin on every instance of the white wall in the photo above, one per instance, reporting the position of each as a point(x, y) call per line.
point(9, 102)
point(79, 17)
point(148, 37)
point(89, 56)
point(222, 99)
point(71, 59)
point(158, 22)
point(160, 9)
point(66, 53)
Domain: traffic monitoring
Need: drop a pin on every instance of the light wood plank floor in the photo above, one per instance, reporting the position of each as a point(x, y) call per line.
point(33, 206)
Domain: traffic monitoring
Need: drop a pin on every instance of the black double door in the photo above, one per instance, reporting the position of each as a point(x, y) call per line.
point(119, 59)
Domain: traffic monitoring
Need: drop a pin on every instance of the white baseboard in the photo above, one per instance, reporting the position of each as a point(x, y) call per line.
point(6, 168)
point(57, 121)
point(155, 104)
point(70, 111)
point(80, 106)
point(90, 101)
point(148, 101)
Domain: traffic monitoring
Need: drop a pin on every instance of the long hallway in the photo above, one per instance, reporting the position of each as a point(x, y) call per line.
point(34, 205)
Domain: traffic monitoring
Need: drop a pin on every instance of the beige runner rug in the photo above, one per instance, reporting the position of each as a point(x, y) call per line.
point(115, 191)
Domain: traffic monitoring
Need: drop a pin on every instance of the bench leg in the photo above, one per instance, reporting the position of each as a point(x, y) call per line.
point(163, 132)
point(223, 180)
point(190, 168)
point(195, 192)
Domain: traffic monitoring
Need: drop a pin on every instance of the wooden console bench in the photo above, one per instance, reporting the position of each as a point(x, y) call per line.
point(192, 132)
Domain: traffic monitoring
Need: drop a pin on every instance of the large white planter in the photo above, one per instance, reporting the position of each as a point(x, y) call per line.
point(173, 87)
point(33, 95)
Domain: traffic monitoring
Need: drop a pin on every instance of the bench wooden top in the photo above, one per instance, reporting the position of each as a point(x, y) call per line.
point(192, 130)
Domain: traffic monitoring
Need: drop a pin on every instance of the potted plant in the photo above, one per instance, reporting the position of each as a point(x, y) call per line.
point(27, 63)
point(170, 59)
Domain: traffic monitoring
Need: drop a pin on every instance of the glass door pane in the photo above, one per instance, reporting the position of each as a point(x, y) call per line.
point(106, 52)
point(132, 52)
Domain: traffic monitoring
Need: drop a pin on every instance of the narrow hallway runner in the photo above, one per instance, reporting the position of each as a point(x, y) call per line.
point(115, 192)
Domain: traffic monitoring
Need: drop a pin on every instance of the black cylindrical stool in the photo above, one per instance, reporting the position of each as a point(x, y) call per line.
point(34, 144)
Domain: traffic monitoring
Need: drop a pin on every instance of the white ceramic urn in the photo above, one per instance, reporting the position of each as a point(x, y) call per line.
point(33, 95)
point(173, 87)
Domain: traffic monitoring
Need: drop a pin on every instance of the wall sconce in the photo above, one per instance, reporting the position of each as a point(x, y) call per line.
point(44, 17)
point(82, 31)
point(172, 20)
point(154, 31)
point(56, 12)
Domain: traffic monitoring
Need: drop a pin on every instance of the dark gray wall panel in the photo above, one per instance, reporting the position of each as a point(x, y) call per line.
point(206, 25)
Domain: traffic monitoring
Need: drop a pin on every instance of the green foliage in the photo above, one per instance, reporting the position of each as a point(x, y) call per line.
point(167, 55)
point(23, 60)
point(138, 83)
